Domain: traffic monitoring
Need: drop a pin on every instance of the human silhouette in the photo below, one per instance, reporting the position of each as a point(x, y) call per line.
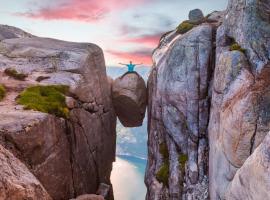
point(130, 66)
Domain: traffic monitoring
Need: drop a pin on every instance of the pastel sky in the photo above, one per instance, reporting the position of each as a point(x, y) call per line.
point(124, 29)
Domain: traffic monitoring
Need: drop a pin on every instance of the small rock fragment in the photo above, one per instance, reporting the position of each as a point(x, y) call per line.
point(196, 15)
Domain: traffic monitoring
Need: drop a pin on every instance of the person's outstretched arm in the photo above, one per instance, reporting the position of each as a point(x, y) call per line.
point(122, 64)
point(138, 64)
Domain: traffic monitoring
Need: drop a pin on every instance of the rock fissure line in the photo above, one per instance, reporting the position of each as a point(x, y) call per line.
point(68, 135)
point(90, 150)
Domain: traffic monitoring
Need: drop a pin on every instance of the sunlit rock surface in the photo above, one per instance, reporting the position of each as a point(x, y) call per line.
point(178, 110)
point(252, 180)
point(240, 102)
point(209, 91)
point(70, 156)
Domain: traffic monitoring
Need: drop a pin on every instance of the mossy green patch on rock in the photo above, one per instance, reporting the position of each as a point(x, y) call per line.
point(184, 27)
point(236, 47)
point(163, 173)
point(182, 159)
point(163, 150)
point(48, 99)
point(14, 74)
point(2, 92)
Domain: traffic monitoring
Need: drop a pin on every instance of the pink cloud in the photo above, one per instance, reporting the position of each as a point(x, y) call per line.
point(142, 56)
point(149, 40)
point(80, 10)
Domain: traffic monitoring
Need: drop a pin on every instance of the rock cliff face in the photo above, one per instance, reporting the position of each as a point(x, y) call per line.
point(17, 182)
point(178, 115)
point(72, 156)
point(208, 107)
point(240, 102)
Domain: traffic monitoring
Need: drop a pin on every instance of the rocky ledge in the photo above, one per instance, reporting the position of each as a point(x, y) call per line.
point(67, 149)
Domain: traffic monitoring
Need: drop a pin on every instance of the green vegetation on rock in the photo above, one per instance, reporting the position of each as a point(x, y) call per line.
point(162, 174)
point(2, 92)
point(48, 99)
point(182, 159)
point(163, 150)
point(236, 47)
point(14, 74)
point(184, 27)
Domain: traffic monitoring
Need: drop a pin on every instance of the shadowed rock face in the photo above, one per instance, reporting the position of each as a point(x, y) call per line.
point(129, 99)
point(16, 181)
point(70, 156)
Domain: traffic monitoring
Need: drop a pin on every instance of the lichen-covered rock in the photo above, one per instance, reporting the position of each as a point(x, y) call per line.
point(178, 117)
point(68, 156)
point(16, 181)
point(130, 99)
point(252, 180)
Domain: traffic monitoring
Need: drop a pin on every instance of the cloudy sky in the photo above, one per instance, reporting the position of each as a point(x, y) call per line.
point(125, 29)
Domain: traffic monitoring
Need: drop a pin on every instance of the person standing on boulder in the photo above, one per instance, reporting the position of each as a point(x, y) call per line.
point(130, 66)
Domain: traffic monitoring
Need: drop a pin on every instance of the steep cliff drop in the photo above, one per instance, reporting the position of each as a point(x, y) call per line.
point(209, 89)
point(178, 115)
point(70, 151)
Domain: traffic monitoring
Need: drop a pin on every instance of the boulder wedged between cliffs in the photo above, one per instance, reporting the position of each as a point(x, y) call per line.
point(129, 96)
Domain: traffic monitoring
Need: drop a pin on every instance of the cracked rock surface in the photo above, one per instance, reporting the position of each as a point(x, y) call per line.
point(16, 181)
point(69, 157)
point(240, 103)
point(210, 105)
point(178, 110)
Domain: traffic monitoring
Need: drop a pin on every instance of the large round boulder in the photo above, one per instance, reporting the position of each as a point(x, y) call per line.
point(129, 99)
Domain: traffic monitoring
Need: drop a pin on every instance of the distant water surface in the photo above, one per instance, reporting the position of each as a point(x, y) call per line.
point(128, 170)
point(128, 178)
